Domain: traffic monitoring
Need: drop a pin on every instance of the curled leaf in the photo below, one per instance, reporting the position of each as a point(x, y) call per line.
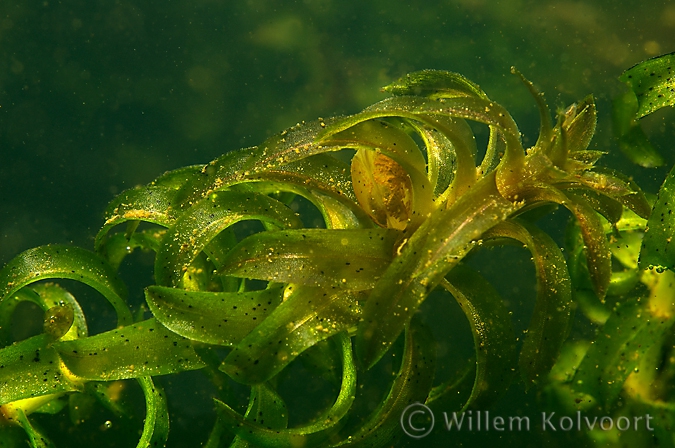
point(552, 313)
point(430, 253)
point(23, 362)
point(222, 318)
point(383, 189)
point(345, 259)
point(156, 422)
point(653, 82)
point(306, 316)
point(493, 337)
point(143, 349)
point(434, 84)
point(198, 226)
point(58, 261)
point(658, 250)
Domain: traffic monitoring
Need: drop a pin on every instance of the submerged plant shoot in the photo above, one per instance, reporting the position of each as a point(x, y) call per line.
point(311, 255)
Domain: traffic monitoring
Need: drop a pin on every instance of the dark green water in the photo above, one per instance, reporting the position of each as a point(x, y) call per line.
point(98, 97)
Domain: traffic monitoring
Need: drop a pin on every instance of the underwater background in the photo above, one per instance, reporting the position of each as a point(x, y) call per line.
point(98, 97)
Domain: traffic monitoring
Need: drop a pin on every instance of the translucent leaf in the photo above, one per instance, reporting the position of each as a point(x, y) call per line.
point(596, 247)
point(423, 260)
point(653, 82)
point(620, 187)
point(339, 209)
point(143, 349)
point(383, 189)
point(319, 172)
point(222, 318)
point(346, 259)
point(197, 227)
point(306, 316)
point(116, 247)
point(579, 124)
point(493, 337)
point(545, 127)
point(45, 296)
point(552, 313)
point(175, 179)
point(58, 261)
point(263, 424)
point(396, 144)
point(609, 208)
point(37, 440)
point(657, 248)
point(471, 108)
point(24, 362)
point(455, 392)
point(233, 167)
point(411, 384)
point(257, 428)
point(434, 84)
point(148, 204)
point(633, 141)
point(627, 336)
point(451, 151)
point(156, 423)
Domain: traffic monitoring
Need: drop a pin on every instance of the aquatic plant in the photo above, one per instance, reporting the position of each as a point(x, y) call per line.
point(320, 245)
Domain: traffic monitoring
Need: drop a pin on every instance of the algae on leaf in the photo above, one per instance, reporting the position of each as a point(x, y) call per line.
point(317, 249)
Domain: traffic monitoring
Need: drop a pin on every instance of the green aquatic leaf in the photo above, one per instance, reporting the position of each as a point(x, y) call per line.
point(454, 392)
point(596, 247)
point(46, 296)
point(175, 179)
point(411, 385)
point(116, 247)
point(222, 318)
point(397, 145)
point(306, 316)
point(58, 261)
point(58, 321)
point(142, 349)
point(156, 423)
point(657, 249)
point(451, 150)
point(338, 209)
point(256, 428)
point(631, 330)
point(434, 84)
point(617, 186)
point(578, 123)
point(319, 172)
point(430, 253)
point(346, 259)
point(33, 358)
point(287, 147)
point(595, 244)
point(35, 437)
point(416, 108)
point(264, 422)
point(545, 126)
point(198, 226)
point(493, 337)
point(633, 141)
point(552, 313)
point(653, 82)
point(150, 203)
